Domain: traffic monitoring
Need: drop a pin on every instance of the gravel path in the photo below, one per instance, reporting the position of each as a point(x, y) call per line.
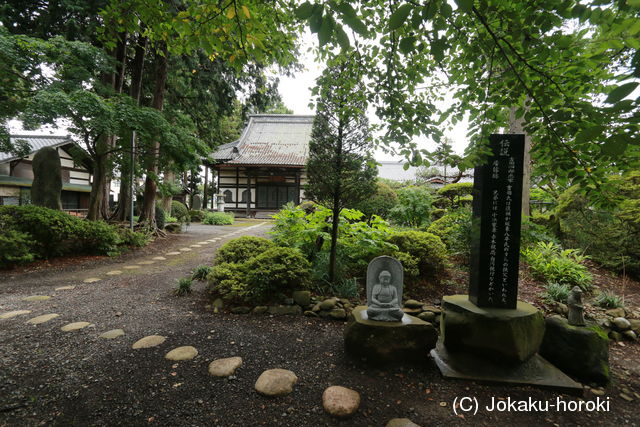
point(53, 377)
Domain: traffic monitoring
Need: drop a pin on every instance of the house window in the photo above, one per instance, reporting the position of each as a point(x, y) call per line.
point(228, 196)
point(245, 196)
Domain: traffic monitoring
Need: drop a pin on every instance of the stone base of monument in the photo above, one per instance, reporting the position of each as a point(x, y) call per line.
point(495, 345)
point(388, 342)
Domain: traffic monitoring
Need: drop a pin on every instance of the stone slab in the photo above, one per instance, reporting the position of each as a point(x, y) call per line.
point(225, 367)
point(186, 352)
point(75, 326)
point(131, 267)
point(42, 319)
point(12, 314)
point(146, 262)
point(149, 341)
point(536, 371)
point(172, 253)
point(159, 258)
point(92, 280)
point(112, 334)
point(185, 250)
point(195, 246)
point(65, 288)
point(36, 298)
point(114, 273)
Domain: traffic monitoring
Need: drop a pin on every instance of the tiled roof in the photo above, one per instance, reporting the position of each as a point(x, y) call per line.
point(269, 139)
point(36, 142)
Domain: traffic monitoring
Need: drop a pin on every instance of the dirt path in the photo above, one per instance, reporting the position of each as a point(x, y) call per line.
point(52, 377)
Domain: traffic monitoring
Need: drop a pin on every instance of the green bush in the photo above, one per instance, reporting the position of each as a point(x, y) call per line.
point(379, 203)
point(609, 300)
point(550, 263)
point(454, 228)
point(201, 272)
point(183, 287)
point(132, 238)
point(242, 249)
point(98, 237)
point(218, 218)
point(556, 292)
point(456, 194)
point(276, 271)
point(169, 219)
point(413, 208)
point(15, 247)
point(427, 248)
point(179, 211)
point(161, 218)
point(531, 233)
point(196, 216)
point(229, 282)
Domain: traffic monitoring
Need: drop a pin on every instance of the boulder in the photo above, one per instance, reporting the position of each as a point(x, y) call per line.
point(283, 310)
point(579, 351)
point(615, 336)
point(261, 309)
point(388, 342)
point(310, 313)
point(635, 325)
point(411, 303)
point(340, 401)
point(616, 312)
point(510, 336)
point(427, 316)
point(225, 367)
point(241, 310)
point(276, 382)
point(401, 422)
point(328, 304)
point(621, 324)
point(630, 335)
point(338, 314)
point(302, 298)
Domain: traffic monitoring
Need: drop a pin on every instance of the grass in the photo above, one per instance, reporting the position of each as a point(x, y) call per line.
point(183, 287)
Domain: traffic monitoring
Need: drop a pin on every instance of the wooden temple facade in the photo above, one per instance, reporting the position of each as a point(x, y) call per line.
point(264, 169)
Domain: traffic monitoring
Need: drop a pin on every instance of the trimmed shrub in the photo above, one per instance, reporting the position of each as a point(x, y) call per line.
point(179, 211)
point(426, 248)
point(456, 194)
point(242, 249)
point(379, 203)
point(15, 247)
point(229, 282)
point(98, 237)
point(132, 238)
point(161, 218)
point(276, 271)
point(454, 228)
point(196, 216)
point(550, 263)
point(218, 218)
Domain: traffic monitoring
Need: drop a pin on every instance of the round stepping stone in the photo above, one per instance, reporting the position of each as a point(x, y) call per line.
point(150, 341)
point(172, 253)
point(42, 319)
point(37, 298)
point(185, 250)
point(146, 262)
point(225, 367)
point(401, 422)
point(65, 288)
point(206, 242)
point(182, 353)
point(114, 333)
point(195, 246)
point(159, 258)
point(12, 314)
point(340, 401)
point(131, 267)
point(114, 272)
point(92, 279)
point(276, 382)
point(74, 326)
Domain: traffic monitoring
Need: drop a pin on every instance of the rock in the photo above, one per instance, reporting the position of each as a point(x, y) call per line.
point(597, 391)
point(615, 336)
point(91, 280)
point(328, 304)
point(131, 267)
point(432, 309)
point(561, 308)
point(113, 272)
point(635, 325)
point(218, 305)
point(626, 397)
point(388, 342)
point(288, 301)
point(182, 353)
point(147, 342)
point(621, 324)
point(241, 310)
point(283, 310)
point(412, 311)
point(630, 335)
point(261, 309)
point(74, 326)
point(225, 367)
point(413, 304)
point(310, 313)
point(348, 306)
point(37, 298)
point(12, 314)
point(512, 336)
point(66, 288)
point(616, 312)
point(42, 319)
point(401, 422)
point(112, 334)
point(316, 308)
point(338, 314)
point(302, 298)
point(276, 382)
point(427, 316)
point(340, 401)
point(579, 351)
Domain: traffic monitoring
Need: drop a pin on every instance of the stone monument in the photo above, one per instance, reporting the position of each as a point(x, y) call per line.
point(576, 309)
point(489, 334)
point(381, 332)
point(46, 189)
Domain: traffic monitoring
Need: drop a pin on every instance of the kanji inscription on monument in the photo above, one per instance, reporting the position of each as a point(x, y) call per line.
point(495, 241)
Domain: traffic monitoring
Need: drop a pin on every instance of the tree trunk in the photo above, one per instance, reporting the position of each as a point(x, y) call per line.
point(516, 125)
point(147, 214)
point(96, 205)
point(336, 208)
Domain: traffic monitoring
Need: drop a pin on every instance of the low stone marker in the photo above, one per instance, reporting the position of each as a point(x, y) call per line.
point(186, 352)
point(276, 382)
point(149, 341)
point(340, 401)
point(225, 367)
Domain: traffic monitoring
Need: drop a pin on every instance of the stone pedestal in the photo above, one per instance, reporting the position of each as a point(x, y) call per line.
point(388, 342)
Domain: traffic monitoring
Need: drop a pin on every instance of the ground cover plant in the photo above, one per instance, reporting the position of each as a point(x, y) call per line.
point(218, 218)
point(552, 264)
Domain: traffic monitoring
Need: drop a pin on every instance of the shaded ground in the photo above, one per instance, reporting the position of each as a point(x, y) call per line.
point(75, 378)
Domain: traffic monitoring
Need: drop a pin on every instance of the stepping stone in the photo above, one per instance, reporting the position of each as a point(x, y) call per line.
point(276, 382)
point(150, 341)
point(172, 253)
point(195, 246)
point(37, 298)
point(114, 333)
point(182, 353)
point(185, 250)
point(42, 319)
point(159, 258)
point(401, 422)
point(146, 262)
point(92, 279)
point(114, 272)
point(131, 267)
point(225, 367)
point(74, 326)
point(12, 314)
point(66, 288)
point(340, 401)
point(206, 242)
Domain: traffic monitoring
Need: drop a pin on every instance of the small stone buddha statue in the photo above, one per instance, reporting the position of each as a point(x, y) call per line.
point(576, 309)
point(384, 305)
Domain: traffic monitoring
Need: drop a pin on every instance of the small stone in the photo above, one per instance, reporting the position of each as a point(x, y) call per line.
point(218, 303)
point(172, 253)
point(195, 246)
point(316, 308)
point(626, 397)
point(225, 367)
point(328, 304)
point(616, 312)
point(42, 319)
point(14, 313)
point(276, 382)
point(338, 314)
point(427, 316)
point(241, 310)
point(114, 272)
point(283, 310)
point(621, 324)
point(74, 326)
point(615, 336)
point(561, 308)
point(261, 309)
point(635, 325)
point(159, 258)
point(412, 311)
point(36, 298)
point(131, 267)
point(185, 250)
point(92, 280)
point(401, 422)
point(302, 298)
point(112, 334)
point(432, 309)
point(413, 304)
point(288, 301)
point(65, 288)
point(310, 313)
point(146, 262)
point(597, 391)
point(206, 242)
point(150, 341)
point(182, 353)
point(340, 401)
point(629, 334)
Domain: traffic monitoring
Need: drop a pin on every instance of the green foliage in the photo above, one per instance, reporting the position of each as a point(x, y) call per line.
point(379, 203)
point(161, 217)
point(183, 287)
point(15, 247)
point(607, 299)
point(46, 189)
point(242, 249)
point(179, 211)
point(454, 228)
point(426, 248)
point(550, 263)
point(276, 271)
point(98, 237)
point(218, 218)
point(531, 233)
point(169, 219)
point(455, 193)
point(201, 272)
point(196, 216)
point(413, 208)
point(132, 238)
point(556, 292)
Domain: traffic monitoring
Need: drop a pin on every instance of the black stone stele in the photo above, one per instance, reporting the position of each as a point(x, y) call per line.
point(495, 240)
